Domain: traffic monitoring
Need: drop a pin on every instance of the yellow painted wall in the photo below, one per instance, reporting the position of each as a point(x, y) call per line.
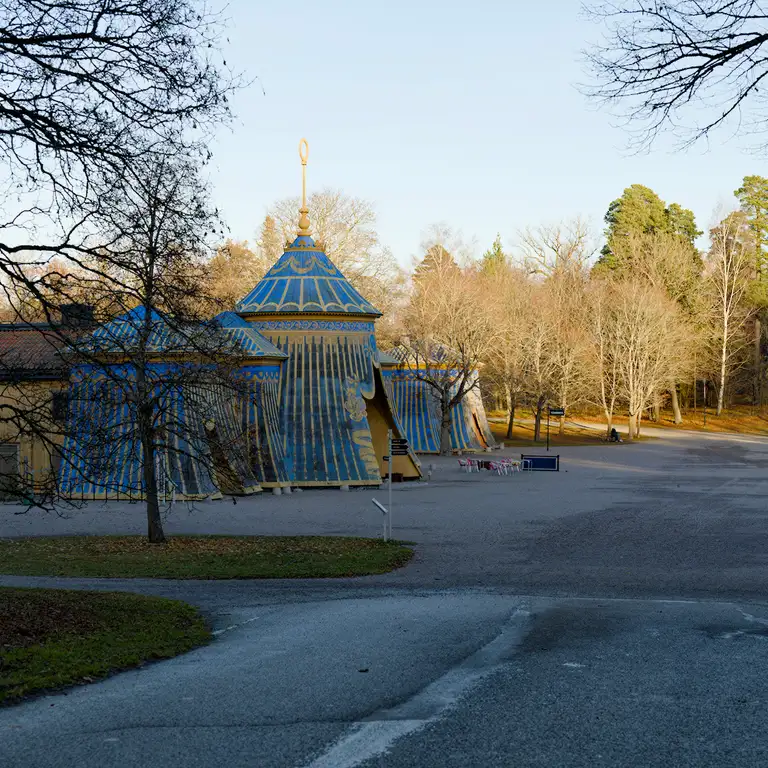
point(34, 451)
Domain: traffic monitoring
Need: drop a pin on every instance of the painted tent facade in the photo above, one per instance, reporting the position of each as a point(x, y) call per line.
point(203, 448)
point(260, 405)
point(334, 409)
point(418, 409)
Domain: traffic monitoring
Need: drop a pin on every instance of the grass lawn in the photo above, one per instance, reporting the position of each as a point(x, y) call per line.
point(50, 638)
point(201, 557)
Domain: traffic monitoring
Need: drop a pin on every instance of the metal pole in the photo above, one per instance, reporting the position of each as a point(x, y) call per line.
point(383, 512)
point(705, 402)
point(389, 509)
point(547, 428)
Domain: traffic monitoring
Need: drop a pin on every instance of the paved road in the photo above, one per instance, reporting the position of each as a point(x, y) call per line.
point(612, 614)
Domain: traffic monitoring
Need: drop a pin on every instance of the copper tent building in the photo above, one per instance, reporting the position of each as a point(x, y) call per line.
point(334, 410)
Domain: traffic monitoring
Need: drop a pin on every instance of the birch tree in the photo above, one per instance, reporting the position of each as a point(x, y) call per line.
point(728, 283)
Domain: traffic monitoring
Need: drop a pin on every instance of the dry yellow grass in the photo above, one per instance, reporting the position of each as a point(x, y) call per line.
point(573, 434)
point(582, 427)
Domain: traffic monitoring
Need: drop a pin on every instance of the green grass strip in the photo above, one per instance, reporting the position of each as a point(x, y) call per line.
point(50, 638)
point(201, 557)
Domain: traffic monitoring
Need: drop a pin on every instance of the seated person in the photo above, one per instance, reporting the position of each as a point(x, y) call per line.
point(614, 438)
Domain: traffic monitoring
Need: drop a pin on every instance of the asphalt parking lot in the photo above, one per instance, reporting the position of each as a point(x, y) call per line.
point(613, 614)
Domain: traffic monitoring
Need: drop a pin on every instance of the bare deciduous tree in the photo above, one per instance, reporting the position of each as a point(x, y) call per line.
point(660, 59)
point(670, 264)
point(560, 255)
point(232, 272)
point(151, 235)
point(604, 349)
point(507, 295)
point(650, 338)
point(558, 249)
point(91, 88)
point(448, 331)
point(538, 352)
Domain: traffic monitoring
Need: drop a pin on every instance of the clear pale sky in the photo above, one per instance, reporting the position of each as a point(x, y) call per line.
point(459, 112)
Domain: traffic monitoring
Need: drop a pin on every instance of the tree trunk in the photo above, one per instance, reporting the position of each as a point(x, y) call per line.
point(511, 423)
point(656, 407)
point(758, 363)
point(155, 532)
point(723, 367)
point(639, 419)
point(537, 421)
point(608, 421)
point(631, 427)
point(676, 405)
point(445, 427)
point(561, 430)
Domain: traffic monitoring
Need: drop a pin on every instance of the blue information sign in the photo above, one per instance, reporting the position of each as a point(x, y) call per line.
point(541, 463)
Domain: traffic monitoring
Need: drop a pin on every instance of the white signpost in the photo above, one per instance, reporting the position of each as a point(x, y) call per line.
point(396, 446)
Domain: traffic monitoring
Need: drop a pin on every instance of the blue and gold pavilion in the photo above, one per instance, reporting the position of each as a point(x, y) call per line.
point(334, 410)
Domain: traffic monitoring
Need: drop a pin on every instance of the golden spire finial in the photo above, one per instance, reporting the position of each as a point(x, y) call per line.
point(304, 211)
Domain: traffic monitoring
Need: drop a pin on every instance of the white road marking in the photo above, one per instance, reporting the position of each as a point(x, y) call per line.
point(753, 619)
point(218, 632)
point(376, 734)
point(573, 665)
point(366, 740)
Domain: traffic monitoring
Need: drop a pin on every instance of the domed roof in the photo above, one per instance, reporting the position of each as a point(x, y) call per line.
point(305, 281)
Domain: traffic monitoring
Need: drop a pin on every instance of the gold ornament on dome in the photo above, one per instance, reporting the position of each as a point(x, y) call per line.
point(304, 224)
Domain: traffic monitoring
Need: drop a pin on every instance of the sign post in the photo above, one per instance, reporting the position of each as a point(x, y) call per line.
point(389, 460)
point(553, 412)
point(397, 447)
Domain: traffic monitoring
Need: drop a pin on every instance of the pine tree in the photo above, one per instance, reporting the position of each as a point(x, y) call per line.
point(494, 258)
point(641, 211)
